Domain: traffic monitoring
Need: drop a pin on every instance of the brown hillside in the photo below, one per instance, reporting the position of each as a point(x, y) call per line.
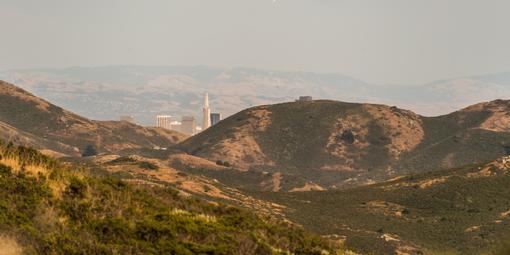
point(34, 120)
point(335, 144)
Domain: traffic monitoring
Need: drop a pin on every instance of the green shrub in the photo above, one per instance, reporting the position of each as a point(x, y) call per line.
point(148, 165)
point(90, 150)
point(104, 215)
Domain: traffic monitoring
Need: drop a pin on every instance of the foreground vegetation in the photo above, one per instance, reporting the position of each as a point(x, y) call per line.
point(460, 211)
point(50, 209)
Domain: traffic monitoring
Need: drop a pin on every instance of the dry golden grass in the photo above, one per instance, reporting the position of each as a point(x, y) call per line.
point(37, 170)
point(199, 217)
point(10, 162)
point(16, 166)
point(9, 246)
point(51, 153)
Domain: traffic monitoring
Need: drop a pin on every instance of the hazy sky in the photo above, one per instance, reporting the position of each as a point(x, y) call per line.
point(379, 41)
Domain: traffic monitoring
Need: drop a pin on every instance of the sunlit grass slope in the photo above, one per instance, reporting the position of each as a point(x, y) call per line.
point(47, 208)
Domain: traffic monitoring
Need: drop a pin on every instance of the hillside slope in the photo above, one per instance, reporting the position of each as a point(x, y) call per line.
point(46, 208)
point(460, 211)
point(31, 118)
point(334, 144)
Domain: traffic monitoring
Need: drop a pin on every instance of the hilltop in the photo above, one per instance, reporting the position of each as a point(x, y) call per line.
point(29, 120)
point(48, 208)
point(328, 144)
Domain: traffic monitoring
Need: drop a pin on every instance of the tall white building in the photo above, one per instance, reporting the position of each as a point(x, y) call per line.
point(164, 121)
point(206, 113)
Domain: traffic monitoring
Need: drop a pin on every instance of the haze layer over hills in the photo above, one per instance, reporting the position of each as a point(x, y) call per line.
point(143, 91)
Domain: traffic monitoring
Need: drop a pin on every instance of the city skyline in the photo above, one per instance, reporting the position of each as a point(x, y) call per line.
point(187, 125)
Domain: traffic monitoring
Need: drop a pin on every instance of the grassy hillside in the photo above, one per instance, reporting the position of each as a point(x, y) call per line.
point(46, 208)
point(460, 211)
point(159, 173)
point(475, 134)
point(339, 145)
point(36, 117)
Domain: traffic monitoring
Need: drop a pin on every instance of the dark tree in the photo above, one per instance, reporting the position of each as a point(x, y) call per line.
point(90, 150)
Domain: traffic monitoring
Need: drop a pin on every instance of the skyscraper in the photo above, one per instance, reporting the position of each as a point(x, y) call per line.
point(206, 113)
point(164, 121)
point(188, 125)
point(215, 118)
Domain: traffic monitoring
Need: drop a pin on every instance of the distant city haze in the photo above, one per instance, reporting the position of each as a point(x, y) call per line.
point(143, 92)
point(380, 41)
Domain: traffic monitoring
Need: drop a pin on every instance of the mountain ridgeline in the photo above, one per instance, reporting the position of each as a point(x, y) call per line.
point(29, 120)
point(329, 144)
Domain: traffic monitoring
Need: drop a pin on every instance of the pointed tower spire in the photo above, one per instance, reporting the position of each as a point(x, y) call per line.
point(206, 100)
point(207, 113)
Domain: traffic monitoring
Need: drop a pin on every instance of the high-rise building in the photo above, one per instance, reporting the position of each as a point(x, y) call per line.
point(164, 121)
point(206, 113)
point(215, 118)
point(188, 125)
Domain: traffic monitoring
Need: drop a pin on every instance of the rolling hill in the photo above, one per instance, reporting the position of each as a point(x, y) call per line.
point(458, 211)
point(29, 120)
point(48, 208)
point(330, 144)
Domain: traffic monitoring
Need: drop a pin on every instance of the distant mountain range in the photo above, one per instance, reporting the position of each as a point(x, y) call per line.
point(106, 93)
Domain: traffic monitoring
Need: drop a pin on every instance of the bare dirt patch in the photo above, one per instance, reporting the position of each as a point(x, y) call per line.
point(432, 182)
point(500, 166)
point(422, 184)
point(347, 141)
point(308, 187)
point(499, 120)
point(242, 150)
point(403, 128)
point(386, 208)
